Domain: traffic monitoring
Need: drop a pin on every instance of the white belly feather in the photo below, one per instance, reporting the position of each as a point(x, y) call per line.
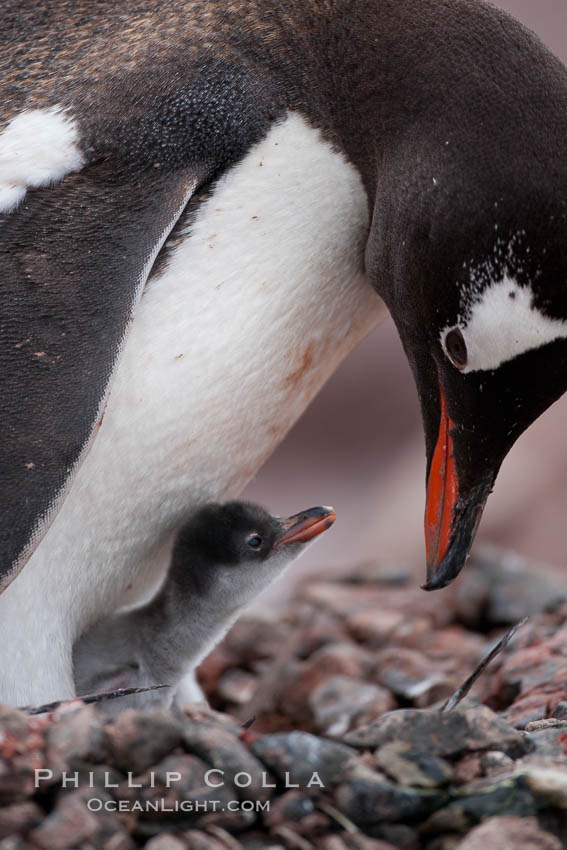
point(255, 310)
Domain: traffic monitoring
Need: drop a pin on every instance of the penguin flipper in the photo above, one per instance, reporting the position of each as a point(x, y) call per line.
point(75, 258)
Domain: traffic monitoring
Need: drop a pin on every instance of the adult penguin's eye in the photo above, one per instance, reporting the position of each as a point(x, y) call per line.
point(254, 541)
point(456, 348)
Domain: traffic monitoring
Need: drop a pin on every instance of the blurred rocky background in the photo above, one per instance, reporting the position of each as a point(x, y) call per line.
point(360, 445)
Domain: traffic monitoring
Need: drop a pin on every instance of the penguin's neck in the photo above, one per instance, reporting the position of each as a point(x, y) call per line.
point(189, 615)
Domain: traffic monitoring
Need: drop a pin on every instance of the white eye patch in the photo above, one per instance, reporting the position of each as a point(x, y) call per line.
point(502, 324)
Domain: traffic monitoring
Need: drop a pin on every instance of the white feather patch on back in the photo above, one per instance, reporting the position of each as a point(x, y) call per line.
point(37, 147)
point(502, 324)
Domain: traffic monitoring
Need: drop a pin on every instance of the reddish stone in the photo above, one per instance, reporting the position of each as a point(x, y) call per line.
point(196, 839)
point(413, 631)
point(375, 625)
point(138, 739)
point(69, 825)
point(295, 688)
point(22, 751)
point(454, 642)
point(167, 841)
point(355, 841)
point(75, 736)
point(409, 674)
point(252, 638)
point(338, 699)
point(510, 833)
point(344, 659)
point(468, 768)
point(19, 818)
point(237, 686)
point(448, 734)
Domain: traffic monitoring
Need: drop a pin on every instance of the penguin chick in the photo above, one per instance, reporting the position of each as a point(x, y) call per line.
point(222, 559)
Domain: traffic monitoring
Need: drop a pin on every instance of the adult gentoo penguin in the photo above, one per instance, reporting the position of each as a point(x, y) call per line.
point(222, 559)
point(205, 207)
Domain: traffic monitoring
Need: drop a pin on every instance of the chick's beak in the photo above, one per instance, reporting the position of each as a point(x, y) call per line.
point(451, 517)
point(302, 527)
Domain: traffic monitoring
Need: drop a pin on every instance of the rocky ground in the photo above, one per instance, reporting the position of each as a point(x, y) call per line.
point(327, 731)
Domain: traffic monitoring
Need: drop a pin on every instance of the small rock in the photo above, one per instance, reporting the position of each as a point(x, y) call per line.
point(202, 713)
point(408, 674)
point(501, 587)
point(259, 841)
point(293, 690)
point(506, 795)
point(370, 713)
point(337, 700)
point(290, 839)
point(510, 833)
point(237, 686)
point(353, 841)
point(76, 736)
point(293, 805)
point(550, 743)
point(399, 835)
point(69, 824)
point(230, 758)
point(531, 681)
point(228, 822)
point(19, 818)
point(444, 842)
point(452, 643)
point(533, 671)
point(468, 768)
point(298, 812)
point(414, 632)
point(17, 777)
point(343, 659)
point(527, 709)
point(548, 785)
point(314, 628)
point(228, 840)
point(22, 751)
point(446, 734)
point(409, 766)
point(254, 638)
point(332, 842)
point(95, 776)
point(358, 841)
point(366, 797)
point(304, 759)
point(213, 666)
point(374, 626)
point(166, 842)
point(16, 724)
point(494, 762)
point(560, 712)
point(196, 839)
point(176, 778)
point(547, 723)
point(15, 842)
point(138, 739)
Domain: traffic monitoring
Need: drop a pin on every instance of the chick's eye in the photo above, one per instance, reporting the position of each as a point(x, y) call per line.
point(456, 348)
point(254, 541)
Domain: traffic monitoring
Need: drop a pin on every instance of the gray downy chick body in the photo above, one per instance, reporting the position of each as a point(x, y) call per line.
point(222, 559)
